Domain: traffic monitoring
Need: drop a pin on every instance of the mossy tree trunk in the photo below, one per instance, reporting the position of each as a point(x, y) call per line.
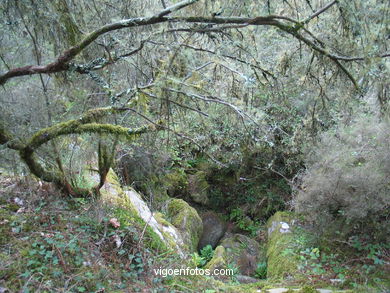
point(88, 123)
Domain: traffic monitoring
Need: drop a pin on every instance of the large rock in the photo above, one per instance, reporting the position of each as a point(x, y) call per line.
point(218, 262)
point(242, 251)
point(164, 229)
point(198, 187)
point(132, 210)
point(213, 230)
point(186, 219)
point(281, 238)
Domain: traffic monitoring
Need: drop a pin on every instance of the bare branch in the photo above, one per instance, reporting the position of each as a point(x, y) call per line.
point(62, 62)
point(318, 12)
point(175, 7)
point(178, 134)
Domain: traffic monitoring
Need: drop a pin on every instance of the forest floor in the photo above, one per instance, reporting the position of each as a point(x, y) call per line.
point(52, 243)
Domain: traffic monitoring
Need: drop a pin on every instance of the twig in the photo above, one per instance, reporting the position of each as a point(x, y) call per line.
point(318, 12)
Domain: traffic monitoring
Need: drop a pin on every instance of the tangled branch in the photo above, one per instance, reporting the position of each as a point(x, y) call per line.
point(291, 26)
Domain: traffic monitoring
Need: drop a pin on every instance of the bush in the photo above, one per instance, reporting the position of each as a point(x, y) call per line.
point(347, 177)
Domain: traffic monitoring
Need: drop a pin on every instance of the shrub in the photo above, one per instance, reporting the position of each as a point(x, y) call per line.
point(347, 176)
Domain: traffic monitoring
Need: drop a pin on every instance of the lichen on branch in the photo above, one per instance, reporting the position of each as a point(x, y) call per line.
point(88, 123)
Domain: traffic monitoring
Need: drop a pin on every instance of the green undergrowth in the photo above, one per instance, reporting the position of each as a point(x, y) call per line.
point(51, 243)
point(299, 257)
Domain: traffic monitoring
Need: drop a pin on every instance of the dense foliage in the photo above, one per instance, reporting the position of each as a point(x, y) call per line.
point(267, 105)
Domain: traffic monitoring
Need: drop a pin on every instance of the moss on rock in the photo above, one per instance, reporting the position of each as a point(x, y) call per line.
point(131, 210)
point(176, 182)
point(173, 238)
point(280, 263)
point(186, 219)
point(243, 252)
point(219, 259)
point(198, 187)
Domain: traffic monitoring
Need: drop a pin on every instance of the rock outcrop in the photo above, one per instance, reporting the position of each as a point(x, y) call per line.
point(213, 230)
point(182, 236)
point(198, 188)
point(186, 219)
point(280, 238)
point(243, 252)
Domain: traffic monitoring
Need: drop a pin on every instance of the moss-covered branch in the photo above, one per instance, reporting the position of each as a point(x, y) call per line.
point(287, 24)
point(8, 139)
point(62, 62)
point(88, 123)
point(66, 128)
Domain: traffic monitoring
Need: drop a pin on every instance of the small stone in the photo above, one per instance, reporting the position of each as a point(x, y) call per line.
point(285, 226)
point(18, 201)
point(117, 240)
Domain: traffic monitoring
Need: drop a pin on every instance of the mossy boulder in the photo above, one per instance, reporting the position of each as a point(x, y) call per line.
point(172, 235)
point(218, 261)
point(132, 210)
point(198, 188)
point(175, 182)
point(280, 263)
point(186, 219)
point(242, 251)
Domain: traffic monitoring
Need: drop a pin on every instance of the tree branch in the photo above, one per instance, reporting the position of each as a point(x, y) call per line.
point(318, 12)
point(62, 62)
point(85, 124)
point(175, 7)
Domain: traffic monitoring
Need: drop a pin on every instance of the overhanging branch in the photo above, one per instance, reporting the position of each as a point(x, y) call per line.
point(88, 123)
point(62, 63)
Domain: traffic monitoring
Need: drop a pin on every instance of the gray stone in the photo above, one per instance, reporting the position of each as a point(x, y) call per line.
point(213, 230)
point(243, 252)
point(246, 279)
point(198, 188)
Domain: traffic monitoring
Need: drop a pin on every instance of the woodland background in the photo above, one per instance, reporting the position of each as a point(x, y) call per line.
point(273, 105)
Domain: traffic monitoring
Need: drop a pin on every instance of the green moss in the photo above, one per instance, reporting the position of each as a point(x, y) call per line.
point(308, 289)
point(219, 259)
point(126, 212)
point(175, 182)
point(127, 216)
point(6, 219)
point(280, 263)
point(186, 219)
point(171, 241)
point(161, 219)
point(198, 187)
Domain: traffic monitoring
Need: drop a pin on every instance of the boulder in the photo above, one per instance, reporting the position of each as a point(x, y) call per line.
point(213, 230)
point(242, 251)
point(198, 188)
point(186, 219)
point(281, 238)
point(219, 262)
point(132, 210)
